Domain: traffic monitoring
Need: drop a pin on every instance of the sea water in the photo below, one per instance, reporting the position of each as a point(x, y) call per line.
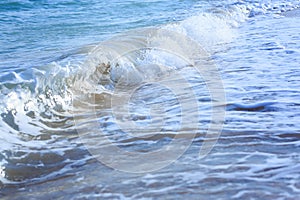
point(149, 99)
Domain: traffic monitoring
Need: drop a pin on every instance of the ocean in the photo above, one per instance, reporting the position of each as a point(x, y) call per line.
point(149, 99)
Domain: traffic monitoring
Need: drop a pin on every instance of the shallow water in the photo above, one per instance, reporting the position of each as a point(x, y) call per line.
point(98, 101)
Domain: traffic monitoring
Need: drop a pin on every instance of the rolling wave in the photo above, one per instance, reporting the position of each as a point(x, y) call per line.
point(38, 105)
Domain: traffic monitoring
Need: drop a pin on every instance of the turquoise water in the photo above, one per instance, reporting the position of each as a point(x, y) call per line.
point(43, 30)
point(164, 82)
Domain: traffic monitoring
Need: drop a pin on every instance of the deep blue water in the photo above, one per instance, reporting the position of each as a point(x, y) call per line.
point(117, 99)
